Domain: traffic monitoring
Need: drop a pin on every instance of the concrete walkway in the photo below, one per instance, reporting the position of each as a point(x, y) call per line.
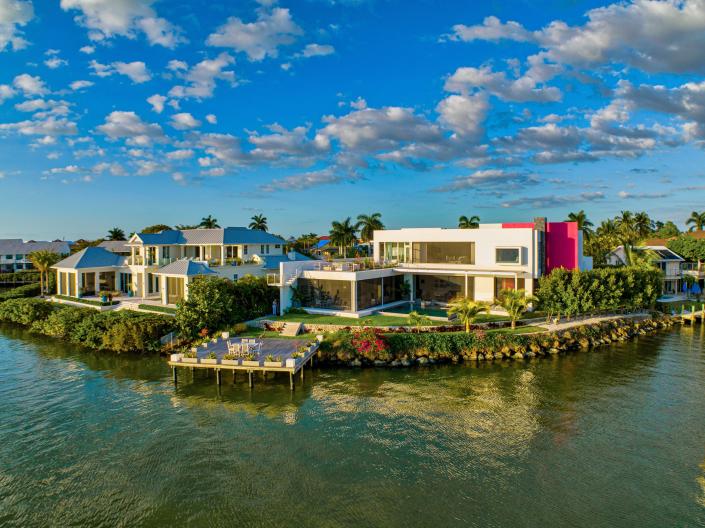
point(588, 320)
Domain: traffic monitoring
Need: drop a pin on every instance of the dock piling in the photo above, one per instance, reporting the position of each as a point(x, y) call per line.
point(218, 377)
point(176, 378)
point(291, 381)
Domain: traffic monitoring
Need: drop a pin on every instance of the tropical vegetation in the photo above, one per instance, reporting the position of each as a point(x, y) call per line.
point(343, 234)
point(368, 224)
point(696, 221)
point(516, 303)
point(259, 222)
point(43, 260)
point(471, 222)
point(116, 234)
point(467, 310)
point(208, 222)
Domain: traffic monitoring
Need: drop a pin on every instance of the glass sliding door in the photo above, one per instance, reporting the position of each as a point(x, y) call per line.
point(174, 290)
point(439, 288)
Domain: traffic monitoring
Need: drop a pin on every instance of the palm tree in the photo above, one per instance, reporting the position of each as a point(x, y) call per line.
point(515, 302)
point(208, 222)
point(342, 234)
point(643, 225)
point(467, 310)
point(43, 260)
point(259, 222)
point(368, 224)
point(418, 320)
point(116, 234)
point(157, 228)
point(644, 258)
point(698, 221)
point(581, 219)
point(626, 226)
point(472, 222)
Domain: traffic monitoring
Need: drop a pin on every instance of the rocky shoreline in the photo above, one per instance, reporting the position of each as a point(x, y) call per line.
point(406, 350)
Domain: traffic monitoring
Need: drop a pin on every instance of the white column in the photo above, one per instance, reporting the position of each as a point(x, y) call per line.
point(144, 284)
point(222, 255)
point(354, 296)
point(79, 282)
point(186, 279)
point(132, 251)
point(97, 284)
point(163, 288)
point(466, 285)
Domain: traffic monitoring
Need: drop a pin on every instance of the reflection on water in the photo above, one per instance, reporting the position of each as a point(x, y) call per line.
point(596, 439)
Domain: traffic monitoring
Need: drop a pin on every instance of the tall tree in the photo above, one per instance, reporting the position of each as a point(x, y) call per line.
point(643, 225)
point(469, 222)
point(208, 222)
point(467, 310)
point(696, 221)
point(43, 260)
point(666, 230)
point(581, 219)
point(259, 222)
point(626, 228)
point(343, 234)
point(156, 228)
point(116, 234)
point(183, 227)
point(368, 224)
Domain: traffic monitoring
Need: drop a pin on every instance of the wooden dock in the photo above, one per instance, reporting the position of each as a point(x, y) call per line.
point(283, 349)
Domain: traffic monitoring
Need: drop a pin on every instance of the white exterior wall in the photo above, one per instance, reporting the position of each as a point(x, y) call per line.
point(487, 239)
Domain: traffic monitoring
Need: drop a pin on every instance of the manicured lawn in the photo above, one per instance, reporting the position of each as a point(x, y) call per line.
point(256, 332)
point(372, 320)
point(528, 329)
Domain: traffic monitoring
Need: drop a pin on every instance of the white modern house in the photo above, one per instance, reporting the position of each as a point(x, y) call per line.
point(14, 252)
point(431, 266)
point(158, 267)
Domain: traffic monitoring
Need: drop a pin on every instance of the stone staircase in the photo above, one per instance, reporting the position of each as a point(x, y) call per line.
point(291, 329)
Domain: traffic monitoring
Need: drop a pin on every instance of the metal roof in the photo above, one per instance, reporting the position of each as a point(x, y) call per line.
point(116, 246)
point(16, 246)
point(229, 235)
point(273, 261)
point(91, 257)
point(185, 267)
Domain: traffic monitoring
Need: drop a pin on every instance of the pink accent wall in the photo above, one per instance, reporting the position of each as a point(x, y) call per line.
point(561, 243)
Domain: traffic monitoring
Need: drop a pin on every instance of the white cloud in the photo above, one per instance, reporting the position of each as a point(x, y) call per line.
point(55, 62)
point(624, 195)
point(157, 101)
point(30, 85)
point(181, 154)
point(259, 39)
point(547, 202)
point(6, 92)
point(32, 105)
point(14, 14)
point(106, 19)
point(201, 78)
point(80, 85)
point(212, 119)
point(522, 89)
point(497, 178)
point(306, 180)
point(282, 143)
point(464, 114)
point(137, 71)
point(358, 104)
point(317, 50)
point(129, 126)
point(655, 36)
point(176, 65)
point(88, 50)
point(184, 121)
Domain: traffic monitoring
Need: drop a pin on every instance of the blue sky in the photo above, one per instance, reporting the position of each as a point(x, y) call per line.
point(134, 112)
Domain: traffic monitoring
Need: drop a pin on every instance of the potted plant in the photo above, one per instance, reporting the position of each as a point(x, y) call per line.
point(176, 357)
point(191, 356)
point(225, 335)
point(251, 360)
point(210, 359)
point(230, 359)
point(294, 359)
point(273, 361)
point(103, 296)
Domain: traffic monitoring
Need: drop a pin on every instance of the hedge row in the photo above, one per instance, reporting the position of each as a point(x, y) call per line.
point(123, 331)
point(20, 276)
point(572, 292)
point(86, 301)
point(28, 290)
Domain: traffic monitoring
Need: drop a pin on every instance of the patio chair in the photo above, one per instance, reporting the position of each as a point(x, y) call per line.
point(233, 348)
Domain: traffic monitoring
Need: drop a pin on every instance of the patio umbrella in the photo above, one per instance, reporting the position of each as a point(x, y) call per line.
point(696, 289)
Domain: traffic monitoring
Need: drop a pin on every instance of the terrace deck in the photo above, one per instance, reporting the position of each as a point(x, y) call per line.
point(283, 348)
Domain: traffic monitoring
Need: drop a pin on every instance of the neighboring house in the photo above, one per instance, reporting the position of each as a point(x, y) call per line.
point(433, 265)
point(14, 252)
point(687, 267)
point(118, 247)
point(159, 266)
point(667, 261)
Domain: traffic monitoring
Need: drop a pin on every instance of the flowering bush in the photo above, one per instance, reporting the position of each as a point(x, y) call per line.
point(371, 344)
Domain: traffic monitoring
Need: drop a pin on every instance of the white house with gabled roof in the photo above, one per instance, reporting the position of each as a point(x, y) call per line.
point(157, 267)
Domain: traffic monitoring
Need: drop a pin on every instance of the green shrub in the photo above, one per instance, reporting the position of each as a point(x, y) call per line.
point(28, 290)
point(62, 321)
point(25, 311)
point(572, 292)
point(217, 303)
point(135, 332)
point(86, 301)
point(20, 276)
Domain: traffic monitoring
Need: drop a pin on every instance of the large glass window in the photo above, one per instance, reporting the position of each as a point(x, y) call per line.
point(329, 294)
point(106, 281)
point(506, 283)
point(444, 252)
point(175, 290)
point(439, 288)
point(394, 289)
point(508, 256)
point(369, 293)
point(396, 251)
point(88, 280)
